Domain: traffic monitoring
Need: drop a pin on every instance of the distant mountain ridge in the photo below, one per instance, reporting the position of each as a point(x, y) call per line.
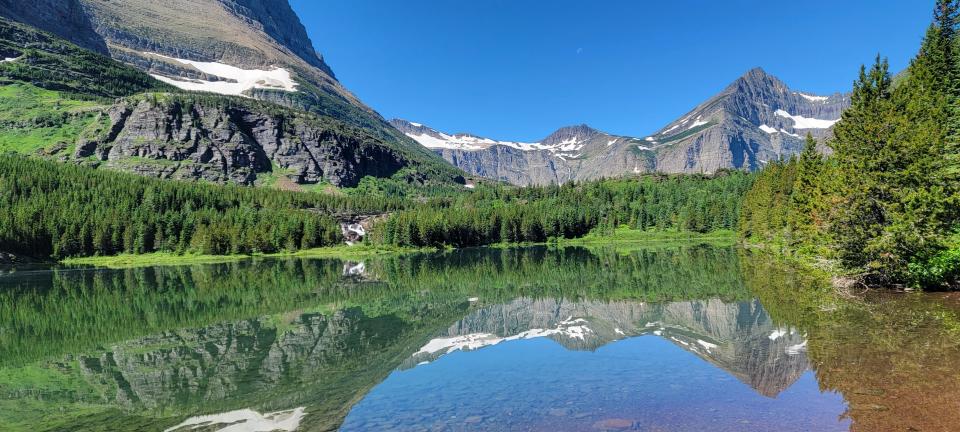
point(753, 121)
point(569, 153)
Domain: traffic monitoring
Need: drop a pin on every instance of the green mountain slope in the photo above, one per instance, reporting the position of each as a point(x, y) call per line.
point(60, 100)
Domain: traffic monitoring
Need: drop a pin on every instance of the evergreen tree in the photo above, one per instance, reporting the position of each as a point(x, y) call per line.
point(808, 211)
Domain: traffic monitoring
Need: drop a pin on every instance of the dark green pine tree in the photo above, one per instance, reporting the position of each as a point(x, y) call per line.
point(926, 181)
point(807, 200)
point(863, 146)
point(943, 51)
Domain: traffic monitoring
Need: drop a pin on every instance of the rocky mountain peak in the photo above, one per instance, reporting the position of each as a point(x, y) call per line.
point(570, 133)
point(757, 81)
point(409, 127)
point(278, 20)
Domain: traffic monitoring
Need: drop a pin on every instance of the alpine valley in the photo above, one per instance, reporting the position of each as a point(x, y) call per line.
point(203, 229)
point(755, 120)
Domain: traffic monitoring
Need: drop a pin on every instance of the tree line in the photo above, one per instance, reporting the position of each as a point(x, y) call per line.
point(497, 214)
point(886, 204)
point(50, 209)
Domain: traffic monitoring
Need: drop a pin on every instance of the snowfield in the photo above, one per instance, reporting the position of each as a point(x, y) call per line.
point(812, 98)
point(247, 420)
point(244, 79)
point(440, 140)
point(772, 131)
point(698, 122)
point(466, 142)
point(801, 122)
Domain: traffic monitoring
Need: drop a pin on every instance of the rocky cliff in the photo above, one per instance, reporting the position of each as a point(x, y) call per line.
point(221, 141)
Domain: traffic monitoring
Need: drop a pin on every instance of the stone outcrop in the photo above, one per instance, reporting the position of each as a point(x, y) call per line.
point(220, 142)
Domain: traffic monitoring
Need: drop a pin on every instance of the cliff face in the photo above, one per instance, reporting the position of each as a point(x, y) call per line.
point(65, 18)
point(510, 165)
point(235, 143)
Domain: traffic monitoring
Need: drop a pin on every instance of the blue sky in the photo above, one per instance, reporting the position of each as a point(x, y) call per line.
point(518, 69)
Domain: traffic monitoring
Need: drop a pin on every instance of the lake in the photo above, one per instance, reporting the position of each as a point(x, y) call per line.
point(669, 338)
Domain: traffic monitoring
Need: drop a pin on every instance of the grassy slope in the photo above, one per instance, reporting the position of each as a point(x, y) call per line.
point(33, 118)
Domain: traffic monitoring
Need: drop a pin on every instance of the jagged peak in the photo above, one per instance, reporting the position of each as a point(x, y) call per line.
point(756, 72)
point(758, 77)
point(581, 132)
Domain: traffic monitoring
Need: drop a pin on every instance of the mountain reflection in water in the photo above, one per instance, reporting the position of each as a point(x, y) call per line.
point(676, 338)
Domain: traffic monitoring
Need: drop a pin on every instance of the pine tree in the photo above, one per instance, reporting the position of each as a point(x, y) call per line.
point(807, 200)
point(862, 140)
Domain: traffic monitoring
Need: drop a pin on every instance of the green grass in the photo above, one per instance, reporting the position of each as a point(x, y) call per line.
point(168, 259)
point(629, 235)
point(33, 118)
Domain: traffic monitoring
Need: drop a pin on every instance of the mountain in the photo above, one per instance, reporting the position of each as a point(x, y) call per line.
point(162, 37)
point(570, 153)
point(754, 120)
point(276, 109)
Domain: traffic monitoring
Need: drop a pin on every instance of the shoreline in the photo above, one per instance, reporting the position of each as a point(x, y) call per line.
point(619, 236)
point(172, 259)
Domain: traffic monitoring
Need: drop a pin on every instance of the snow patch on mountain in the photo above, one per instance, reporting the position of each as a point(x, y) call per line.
point(709, 346)
point(238, 80)
point(246, 420)
point(784, 131)
point(569, 148)
point(801, 122)
point(812, 98)
point(698, 122)
point(768, 129)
